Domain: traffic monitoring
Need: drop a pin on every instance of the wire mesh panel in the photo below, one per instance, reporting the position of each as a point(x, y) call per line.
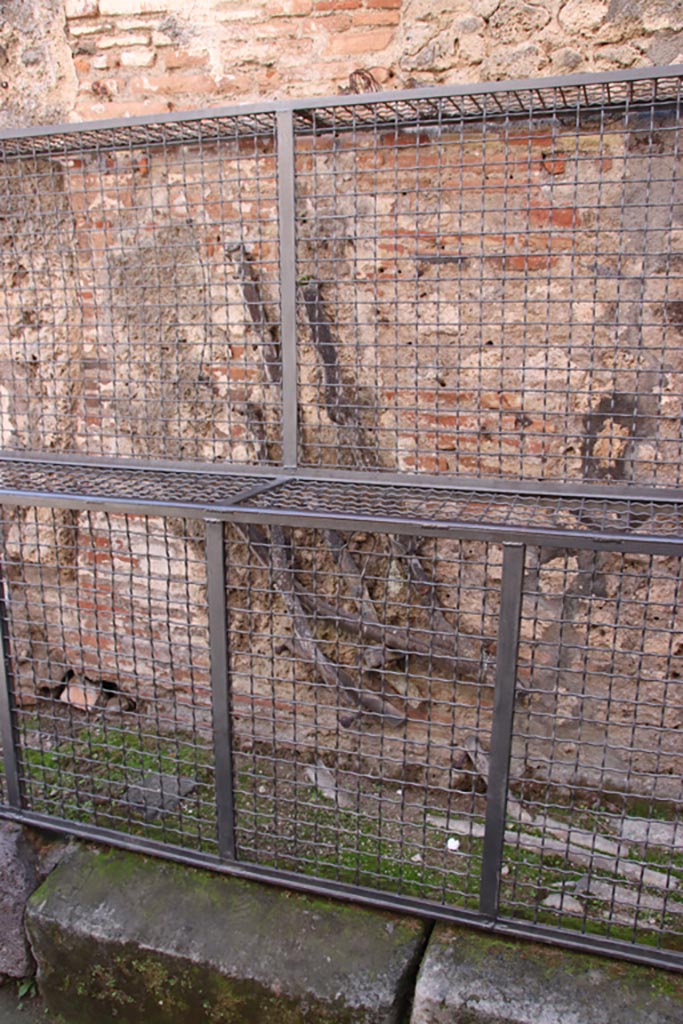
point(166, 488)
point(362, 688)
point(109, 661)
point(490, 284)
point(425, 506)
point(288, 670)
point(139, 279)
point(594, 836)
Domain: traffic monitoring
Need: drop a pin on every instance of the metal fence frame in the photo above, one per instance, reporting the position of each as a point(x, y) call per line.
point(258, 495)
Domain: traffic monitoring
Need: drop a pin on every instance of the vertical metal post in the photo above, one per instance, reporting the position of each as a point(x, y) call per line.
point(220, 686)
point(501, 731)
point(287, 226)
point(7, 734)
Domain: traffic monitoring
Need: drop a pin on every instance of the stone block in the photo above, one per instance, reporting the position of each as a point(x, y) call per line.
point(125, 937)
point(137, 58)
point(17, 882)
point(132, 6)
point(470, 978)
point(80, 8)
point(364, 42)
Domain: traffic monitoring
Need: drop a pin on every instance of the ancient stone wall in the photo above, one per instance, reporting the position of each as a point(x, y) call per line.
point(64, 59)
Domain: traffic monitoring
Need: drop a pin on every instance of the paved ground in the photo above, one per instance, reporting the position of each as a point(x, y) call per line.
point(21, 1011)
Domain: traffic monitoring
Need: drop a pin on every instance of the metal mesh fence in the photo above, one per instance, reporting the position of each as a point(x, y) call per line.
point(128, 258)
point(357, 733)
point(346, 766)
point(495, 296)
point(340, 536)
point(109, 661)
point(593, 837)
point(484, 285)
point(441, 506)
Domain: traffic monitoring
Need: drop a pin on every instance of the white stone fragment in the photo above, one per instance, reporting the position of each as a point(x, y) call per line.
point(561, 901)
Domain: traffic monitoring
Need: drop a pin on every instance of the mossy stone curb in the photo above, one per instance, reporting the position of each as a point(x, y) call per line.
point(133, 939)
point(470, 978)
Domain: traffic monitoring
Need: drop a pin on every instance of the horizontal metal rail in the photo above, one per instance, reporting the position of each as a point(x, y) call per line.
point(574, 82)
point(581, 943)
point(598, 523)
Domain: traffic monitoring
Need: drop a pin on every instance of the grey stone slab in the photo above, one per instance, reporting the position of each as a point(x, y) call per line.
point(470, 978)
point(654, 833)
point(17, 882)
point(157, 792)
point(141, 940)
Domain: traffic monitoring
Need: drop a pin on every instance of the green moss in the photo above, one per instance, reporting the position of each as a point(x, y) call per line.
point(283, 824)
point(643, 983)
point(85, 768)
point(134, 987)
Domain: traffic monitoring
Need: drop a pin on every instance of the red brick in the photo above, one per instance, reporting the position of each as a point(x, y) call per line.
point(544, 242)
point(444, 396)
point(361, 42)
point(560, 216)
point(332, 23)
point(397, 138)
point(565, 217)
point(337, 5)
point(440, 420)
point(528, 262)
point(241, 373)
point(530, 139)
point(173, 85)
point(554, 164)
point(181, 59)
point(392, 246)
point(392, 5)
point(417, 158)
point(427, 463)
point(289, 8)
point(384, 17)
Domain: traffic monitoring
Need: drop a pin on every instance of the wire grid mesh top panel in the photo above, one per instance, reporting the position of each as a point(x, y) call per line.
point(492, 288)
point(424, 505)
point(164, 487)
point(131, 132)
point(139, 281)
point(541, 98)
point(594, 837)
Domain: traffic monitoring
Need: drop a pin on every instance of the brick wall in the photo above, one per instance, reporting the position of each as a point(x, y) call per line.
point(82, 59)
point(133, 56)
